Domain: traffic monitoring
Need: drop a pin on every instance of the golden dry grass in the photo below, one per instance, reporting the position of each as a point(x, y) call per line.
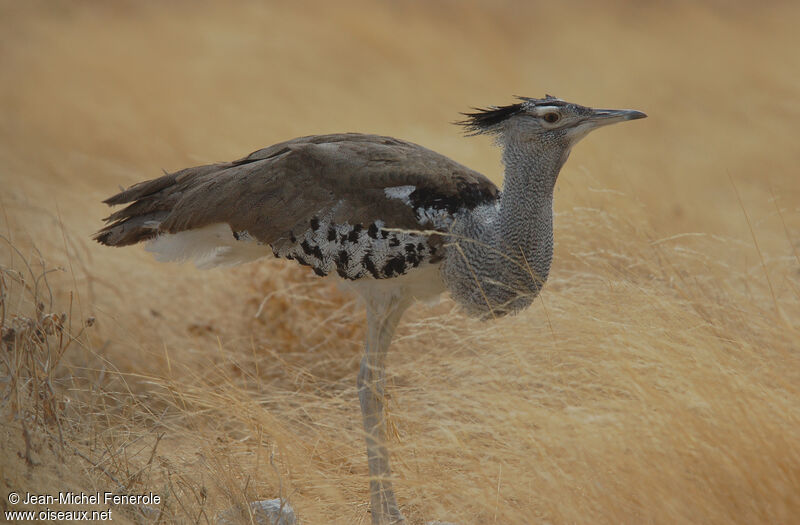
point(655, 382)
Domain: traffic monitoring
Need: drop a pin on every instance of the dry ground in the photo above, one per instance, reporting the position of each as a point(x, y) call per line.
point(655, 382)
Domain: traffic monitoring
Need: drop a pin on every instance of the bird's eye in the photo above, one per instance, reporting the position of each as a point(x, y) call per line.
point(551, 117)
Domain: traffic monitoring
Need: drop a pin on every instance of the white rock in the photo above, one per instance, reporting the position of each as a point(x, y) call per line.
point(265, 512)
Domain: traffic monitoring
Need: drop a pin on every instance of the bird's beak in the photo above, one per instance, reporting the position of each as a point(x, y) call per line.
point(604, 117)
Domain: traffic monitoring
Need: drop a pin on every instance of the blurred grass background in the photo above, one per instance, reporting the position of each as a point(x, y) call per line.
point(656, 381)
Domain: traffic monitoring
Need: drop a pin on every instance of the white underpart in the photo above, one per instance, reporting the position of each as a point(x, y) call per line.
point(423, 284)
point(400, 192)
point(208, 247)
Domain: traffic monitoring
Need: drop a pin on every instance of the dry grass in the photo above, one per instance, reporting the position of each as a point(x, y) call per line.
point(655, 382)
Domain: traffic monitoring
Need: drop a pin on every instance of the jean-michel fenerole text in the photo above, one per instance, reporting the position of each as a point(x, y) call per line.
point(91, 498)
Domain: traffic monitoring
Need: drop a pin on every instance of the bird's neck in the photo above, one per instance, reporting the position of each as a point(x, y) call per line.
point(499, 255)
point(526, 210)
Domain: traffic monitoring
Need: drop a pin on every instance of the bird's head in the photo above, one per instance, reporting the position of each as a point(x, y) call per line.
point(545, 120)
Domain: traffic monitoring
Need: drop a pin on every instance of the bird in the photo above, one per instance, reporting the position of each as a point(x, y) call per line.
point(396, 221)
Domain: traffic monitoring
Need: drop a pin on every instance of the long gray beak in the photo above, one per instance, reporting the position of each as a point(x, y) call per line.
point(603, 117)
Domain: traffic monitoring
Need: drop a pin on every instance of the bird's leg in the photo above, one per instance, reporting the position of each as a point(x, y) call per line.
point(383, 314)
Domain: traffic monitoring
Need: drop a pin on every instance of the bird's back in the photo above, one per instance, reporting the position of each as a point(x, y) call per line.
point(354, 204)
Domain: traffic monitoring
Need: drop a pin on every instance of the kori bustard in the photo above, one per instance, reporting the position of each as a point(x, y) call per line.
point(397, 221)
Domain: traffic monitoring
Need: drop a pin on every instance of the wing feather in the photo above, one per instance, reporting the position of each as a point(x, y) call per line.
point(278, 189)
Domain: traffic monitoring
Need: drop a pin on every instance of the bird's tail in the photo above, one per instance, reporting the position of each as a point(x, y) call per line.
point(149, 204)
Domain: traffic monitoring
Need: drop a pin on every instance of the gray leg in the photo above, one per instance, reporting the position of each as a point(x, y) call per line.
point(383, 315)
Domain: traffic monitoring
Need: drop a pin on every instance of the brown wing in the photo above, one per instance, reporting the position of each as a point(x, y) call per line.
point(275, 189)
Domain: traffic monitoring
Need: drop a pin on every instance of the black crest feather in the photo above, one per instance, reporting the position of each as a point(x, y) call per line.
point(484, 120)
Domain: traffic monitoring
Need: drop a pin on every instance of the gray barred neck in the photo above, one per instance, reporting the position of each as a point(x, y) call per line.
point(531, 169)
point(526, 209)
point(506, 268)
